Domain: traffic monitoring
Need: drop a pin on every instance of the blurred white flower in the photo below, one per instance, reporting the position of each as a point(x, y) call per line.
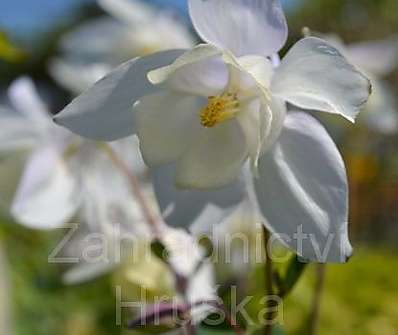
point(64, 174)
point(377, 59)
point(140, 268)
point(210, 108)
point(134, 29)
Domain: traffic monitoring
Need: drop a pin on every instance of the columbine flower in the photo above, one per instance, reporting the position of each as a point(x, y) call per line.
point(66, 175)
point(377, 59)
point(210, 108)
point(96, 47)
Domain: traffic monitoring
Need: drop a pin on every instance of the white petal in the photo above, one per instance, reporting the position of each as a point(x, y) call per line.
point(303, 185)
point(25, 99)
point(262, 123)
point(381, 111)
point(17, 133)
point(46, 197)
point(314, 75)
point(150, 27)
point(261, 119)
point(202, 287)
point(244, 27)
point(85, 272)
point(376, 57)
point(259, 67)
point(199, 71)
point(130, 11)
point(214, 159)
point(77, 76)
point(187, 207)
point(97, 40)
point(105, 111)
point(129, 149)
point(166, 123)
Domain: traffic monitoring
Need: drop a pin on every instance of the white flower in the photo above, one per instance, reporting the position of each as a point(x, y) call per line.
point(210, 108)
point(94, 48)
point(377, 59)
point(64, 174)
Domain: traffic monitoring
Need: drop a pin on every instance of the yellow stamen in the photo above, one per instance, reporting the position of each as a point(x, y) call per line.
point(220, 108)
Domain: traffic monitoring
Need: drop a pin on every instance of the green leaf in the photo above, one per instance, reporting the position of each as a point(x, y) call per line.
point(294, 271)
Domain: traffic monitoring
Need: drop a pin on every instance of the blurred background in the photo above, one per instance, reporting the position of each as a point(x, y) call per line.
point(360, 297)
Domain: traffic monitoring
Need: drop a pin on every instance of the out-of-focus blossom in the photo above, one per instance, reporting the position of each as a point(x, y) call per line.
point(134, 29)
point(210, 108)
point(64, 174)
point(137, 269)
point(377, 59)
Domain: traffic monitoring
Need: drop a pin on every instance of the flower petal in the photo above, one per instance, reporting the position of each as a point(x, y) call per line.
point(174, 201)
point(314, 75)
point(214, 159)
point(244, 27)
point(25, 99)
point(199, 71)
point(86, 272)
point(165, 124)
point(261, 119)
point(97, 40)
point(376, 57)
point(130, 11)
point(302, 188)
point(46, 197)
point(17, 133)
point(262, 123)
point(77, 76)
point(104, 112)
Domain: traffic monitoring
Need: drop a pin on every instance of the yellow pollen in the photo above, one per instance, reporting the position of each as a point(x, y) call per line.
point(219, 109)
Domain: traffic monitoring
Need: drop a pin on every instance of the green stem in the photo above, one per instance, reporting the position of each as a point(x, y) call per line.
point(316, 302)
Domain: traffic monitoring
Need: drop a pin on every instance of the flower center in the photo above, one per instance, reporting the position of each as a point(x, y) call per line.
point(219, 108)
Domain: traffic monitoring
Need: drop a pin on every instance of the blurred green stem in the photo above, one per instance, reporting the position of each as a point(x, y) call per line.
point(269, 290)
point(316, 302)
point(5, 303)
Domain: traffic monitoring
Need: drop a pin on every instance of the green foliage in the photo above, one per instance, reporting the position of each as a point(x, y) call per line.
point(295, 270)
point(9, 52)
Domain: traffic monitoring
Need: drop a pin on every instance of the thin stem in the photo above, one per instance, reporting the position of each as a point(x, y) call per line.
point(269, 290)
point(316, 302)
point(151, 219)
